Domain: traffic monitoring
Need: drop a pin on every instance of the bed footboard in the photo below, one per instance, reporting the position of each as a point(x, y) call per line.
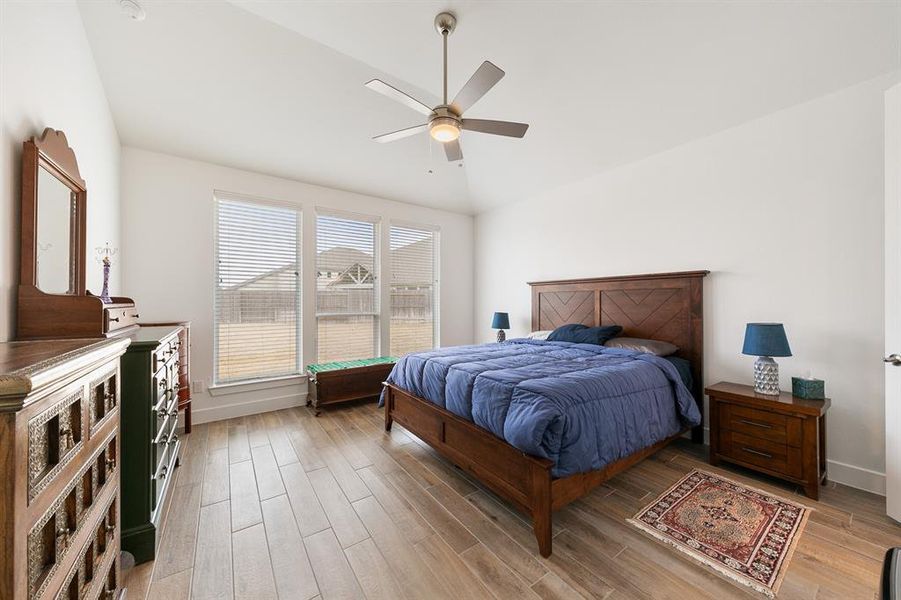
point(522, 479)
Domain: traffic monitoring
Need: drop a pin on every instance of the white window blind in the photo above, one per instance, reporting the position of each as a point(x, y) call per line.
point(347, 311)
point(414, 282)
point(257, 301)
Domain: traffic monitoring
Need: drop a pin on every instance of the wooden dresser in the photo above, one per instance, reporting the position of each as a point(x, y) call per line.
point(783, 436)
point(150, 444)
point(59, 443)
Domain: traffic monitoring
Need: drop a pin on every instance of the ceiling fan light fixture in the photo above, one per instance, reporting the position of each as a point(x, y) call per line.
point(444, 129)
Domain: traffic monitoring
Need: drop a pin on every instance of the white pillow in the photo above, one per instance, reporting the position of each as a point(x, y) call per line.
point(539, 335)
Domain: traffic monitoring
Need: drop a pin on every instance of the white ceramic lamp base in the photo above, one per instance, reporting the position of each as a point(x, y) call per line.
point(766, 376)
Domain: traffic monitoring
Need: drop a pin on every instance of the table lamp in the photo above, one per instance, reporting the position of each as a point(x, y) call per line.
point(765, 340)
point(500, 322)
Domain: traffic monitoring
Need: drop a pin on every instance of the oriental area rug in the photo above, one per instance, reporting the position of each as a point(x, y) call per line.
point(745, 534)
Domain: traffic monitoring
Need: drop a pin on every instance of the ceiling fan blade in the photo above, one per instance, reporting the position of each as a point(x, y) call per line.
point(507, 128)
point(453, 150)
point(400, 133)
point(377, 85)
point(478, 85)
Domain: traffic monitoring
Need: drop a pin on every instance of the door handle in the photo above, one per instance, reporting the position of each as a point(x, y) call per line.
point(893, 359)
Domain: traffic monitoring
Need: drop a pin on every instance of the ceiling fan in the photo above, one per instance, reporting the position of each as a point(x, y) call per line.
point(446, 120)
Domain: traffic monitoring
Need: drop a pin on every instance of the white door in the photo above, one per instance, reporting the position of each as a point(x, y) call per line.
point(893, 302)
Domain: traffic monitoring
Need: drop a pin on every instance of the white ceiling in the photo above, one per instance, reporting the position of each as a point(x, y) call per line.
point(277, 87)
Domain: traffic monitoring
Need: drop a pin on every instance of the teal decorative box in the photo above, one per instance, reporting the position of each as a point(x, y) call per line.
point(811, 389)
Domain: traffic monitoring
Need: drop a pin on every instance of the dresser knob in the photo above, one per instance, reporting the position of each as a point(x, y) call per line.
point(110, 530)
point(111, 464)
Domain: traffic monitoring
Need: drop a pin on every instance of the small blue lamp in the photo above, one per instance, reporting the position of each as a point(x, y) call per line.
point(765, 340)
point(500, 322)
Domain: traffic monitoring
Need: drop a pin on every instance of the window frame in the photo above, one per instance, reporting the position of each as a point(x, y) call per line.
point(376, 222)
point(225, 386)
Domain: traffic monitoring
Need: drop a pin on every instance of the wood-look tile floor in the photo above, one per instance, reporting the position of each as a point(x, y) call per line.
point(286, 505)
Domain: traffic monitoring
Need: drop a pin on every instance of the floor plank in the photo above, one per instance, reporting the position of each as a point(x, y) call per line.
point(245, 502)
point(253, 569)
point(212, 576)
point(373, 572)
point(406, 564)
point(238, 445)
point(307, 510)
point(336, 578)
point(215, 478)
point(176, 548)
point(344, 521)
point(174, 587)
point(294, 576)
point(265, 468)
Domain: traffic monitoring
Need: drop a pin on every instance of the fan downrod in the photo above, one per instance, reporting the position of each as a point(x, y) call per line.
point(445, 23)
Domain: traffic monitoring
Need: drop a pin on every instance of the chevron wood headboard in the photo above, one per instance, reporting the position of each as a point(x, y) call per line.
point(659, 306)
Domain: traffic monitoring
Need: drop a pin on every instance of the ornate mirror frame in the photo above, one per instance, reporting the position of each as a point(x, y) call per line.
point(52, 152)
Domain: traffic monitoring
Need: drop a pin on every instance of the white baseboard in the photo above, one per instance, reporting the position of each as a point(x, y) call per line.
point(845, 474)
point(247, 407)
point(856, 477)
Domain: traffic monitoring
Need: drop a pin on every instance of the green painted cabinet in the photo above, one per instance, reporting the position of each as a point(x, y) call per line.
point(149, 439)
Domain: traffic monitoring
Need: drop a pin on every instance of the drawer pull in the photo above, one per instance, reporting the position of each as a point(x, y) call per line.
point(163, 471)
point(109, 594)
point(66, 435)
point(110, 530)
point(64, 535)
point(755, 424)
point(114, 319)
point(757, 452)
point(111, 464)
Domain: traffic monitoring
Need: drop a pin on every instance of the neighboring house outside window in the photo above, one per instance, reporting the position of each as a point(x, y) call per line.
point(414, 289)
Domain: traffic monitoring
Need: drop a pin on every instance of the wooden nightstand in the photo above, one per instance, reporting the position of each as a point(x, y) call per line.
point(783, 436)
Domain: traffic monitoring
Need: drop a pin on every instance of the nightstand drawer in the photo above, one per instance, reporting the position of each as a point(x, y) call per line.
point(776, 457)
point(761, 424)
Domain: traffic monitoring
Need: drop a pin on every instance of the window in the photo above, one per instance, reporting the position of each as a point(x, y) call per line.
point(414, 301)
point(257, 301)
point(347, 311)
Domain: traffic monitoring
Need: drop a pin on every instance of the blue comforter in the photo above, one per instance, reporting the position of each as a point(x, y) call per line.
point(580, 405)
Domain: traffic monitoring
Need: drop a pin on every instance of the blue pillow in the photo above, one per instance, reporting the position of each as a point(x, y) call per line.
point(582, 334)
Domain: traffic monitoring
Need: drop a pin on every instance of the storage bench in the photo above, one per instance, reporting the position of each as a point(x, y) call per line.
point(336, 382)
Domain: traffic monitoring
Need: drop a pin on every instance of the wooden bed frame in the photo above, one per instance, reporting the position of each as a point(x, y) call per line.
point(662, 306)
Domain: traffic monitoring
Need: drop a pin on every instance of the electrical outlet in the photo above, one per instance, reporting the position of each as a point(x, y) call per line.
point(197, 386)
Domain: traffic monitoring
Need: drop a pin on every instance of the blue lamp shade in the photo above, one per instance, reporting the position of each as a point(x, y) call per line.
point(500, 321)
point(766, 339)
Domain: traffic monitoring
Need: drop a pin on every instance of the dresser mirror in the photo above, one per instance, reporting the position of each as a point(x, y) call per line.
point(54, 200)
point(56, 205)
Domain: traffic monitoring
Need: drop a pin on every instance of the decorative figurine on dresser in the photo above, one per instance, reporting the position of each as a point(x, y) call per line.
point(59, 444)
point(54, 303)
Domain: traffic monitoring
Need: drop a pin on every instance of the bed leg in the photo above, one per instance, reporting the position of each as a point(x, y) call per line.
point(541, 508)
point(389, 405)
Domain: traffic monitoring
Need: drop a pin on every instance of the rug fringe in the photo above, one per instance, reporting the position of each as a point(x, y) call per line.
point(700, 557)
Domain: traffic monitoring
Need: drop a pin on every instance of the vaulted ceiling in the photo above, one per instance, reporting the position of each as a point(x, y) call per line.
point(277, 87)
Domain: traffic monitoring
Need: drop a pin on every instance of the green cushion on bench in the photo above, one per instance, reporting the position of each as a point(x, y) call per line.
point(349, 364)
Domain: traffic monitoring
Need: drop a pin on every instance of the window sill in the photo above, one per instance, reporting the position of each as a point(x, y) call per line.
point(223, 389)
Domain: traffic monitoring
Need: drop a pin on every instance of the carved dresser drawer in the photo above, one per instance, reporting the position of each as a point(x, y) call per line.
point(151, 382)
point(59, 449)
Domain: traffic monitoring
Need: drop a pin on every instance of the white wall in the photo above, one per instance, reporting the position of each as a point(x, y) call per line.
point(168, 225)
point(785, 211)
point(48, 79)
